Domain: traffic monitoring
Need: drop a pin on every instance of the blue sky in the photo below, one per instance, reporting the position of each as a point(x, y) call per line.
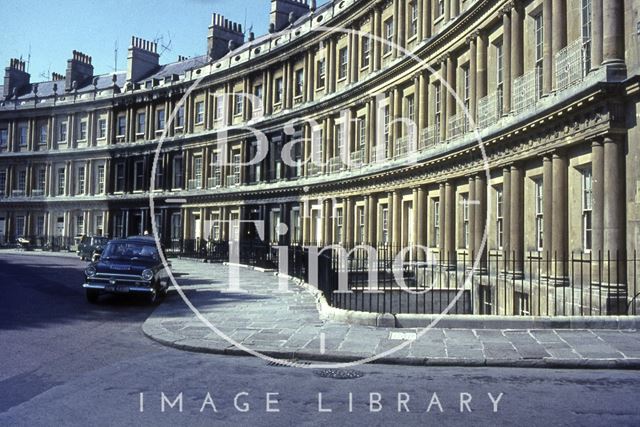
point(54, 28)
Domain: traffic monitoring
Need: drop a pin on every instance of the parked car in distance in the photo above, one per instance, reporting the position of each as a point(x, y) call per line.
point(127, 266)
point(88, 245)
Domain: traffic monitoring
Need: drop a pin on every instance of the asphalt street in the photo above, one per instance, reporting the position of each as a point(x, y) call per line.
point(66, 362)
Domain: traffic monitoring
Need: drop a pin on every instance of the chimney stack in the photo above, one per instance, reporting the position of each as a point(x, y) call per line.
point(79, 70)
point(56, 77)
point(222, 34)
point(282, 11)
point(143, 59)
point(15, 77)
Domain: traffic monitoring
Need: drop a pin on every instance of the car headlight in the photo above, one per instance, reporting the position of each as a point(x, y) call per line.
point(147, 274)
point(90, 271)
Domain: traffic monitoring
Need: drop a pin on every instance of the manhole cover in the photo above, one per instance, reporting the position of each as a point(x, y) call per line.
point(338, 374)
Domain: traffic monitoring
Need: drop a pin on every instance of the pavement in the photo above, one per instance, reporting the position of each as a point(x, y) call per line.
point(293, 325)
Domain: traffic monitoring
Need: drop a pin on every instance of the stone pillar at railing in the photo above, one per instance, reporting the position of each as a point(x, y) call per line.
point(449, 224)
point(327, 216)
point(547, 209)
point(597, 173)
point(419, 217)
point(396, 221)
point(614, 211)
point(559, 225)
point(372, 229)
point(516, 222)
point(481, 228)
point(471, 207)
point(506, 214)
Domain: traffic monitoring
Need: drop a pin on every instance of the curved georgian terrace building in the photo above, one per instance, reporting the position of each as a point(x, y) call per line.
point(551, 88)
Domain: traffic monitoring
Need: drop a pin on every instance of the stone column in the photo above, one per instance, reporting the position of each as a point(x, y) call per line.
point(420, 217)
point(547, 51)
point(450, 224)
point(328, 222)
point(414, 225)
point(480, 220)
point(396, 26)
point(506, 52)
point(560, 223)
point(372, 228)
point(471, 199)
point(547, 200)
point(516, 223)
point(397, 219)
point(355, 57)
point(597, 171)
point(517, 48)
point(596, 33)
point(613, 33)
point(377, 31)
point(473, 75)
point(455, 8)
point(614, 210)
point(452, 67)
point(443, 218)
point(423, 100)
point(443, 99)
point(401, 20)
point(348, 222)
point(481, 78)
point(506, 212)
point(426, 18)
point(559, 28)
point(305, 216)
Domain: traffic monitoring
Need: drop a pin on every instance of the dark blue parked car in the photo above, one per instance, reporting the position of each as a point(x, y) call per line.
point(127, 266)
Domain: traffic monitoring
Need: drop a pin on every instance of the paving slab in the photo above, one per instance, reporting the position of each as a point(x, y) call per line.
point(292, 325)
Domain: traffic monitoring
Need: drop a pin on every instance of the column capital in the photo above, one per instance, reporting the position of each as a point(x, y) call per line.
point(595, 141)
point(471, 38)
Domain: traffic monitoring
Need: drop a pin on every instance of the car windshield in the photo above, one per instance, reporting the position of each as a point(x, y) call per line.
point(130, 251)
point(99, 240)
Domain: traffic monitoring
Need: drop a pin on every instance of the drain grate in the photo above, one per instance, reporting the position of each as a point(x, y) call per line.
point(338, 374)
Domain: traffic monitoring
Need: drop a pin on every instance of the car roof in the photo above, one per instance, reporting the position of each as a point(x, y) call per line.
point(141, 240)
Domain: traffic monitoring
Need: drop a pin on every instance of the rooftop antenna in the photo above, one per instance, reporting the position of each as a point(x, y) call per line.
point(29, 58)
point(245, 22)
point(164, 47)
point(46, 75)
point(115, 56)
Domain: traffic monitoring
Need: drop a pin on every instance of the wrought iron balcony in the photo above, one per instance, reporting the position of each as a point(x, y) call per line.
point(233, 180)
point(214, 181)
point(489, 109)
point(571, 64)
point(526, 90)
point(194, 184)
point(430, 137)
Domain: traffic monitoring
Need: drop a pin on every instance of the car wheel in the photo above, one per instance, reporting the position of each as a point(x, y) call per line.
point(164, 290)
point(152, 298)
point(92, 296)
